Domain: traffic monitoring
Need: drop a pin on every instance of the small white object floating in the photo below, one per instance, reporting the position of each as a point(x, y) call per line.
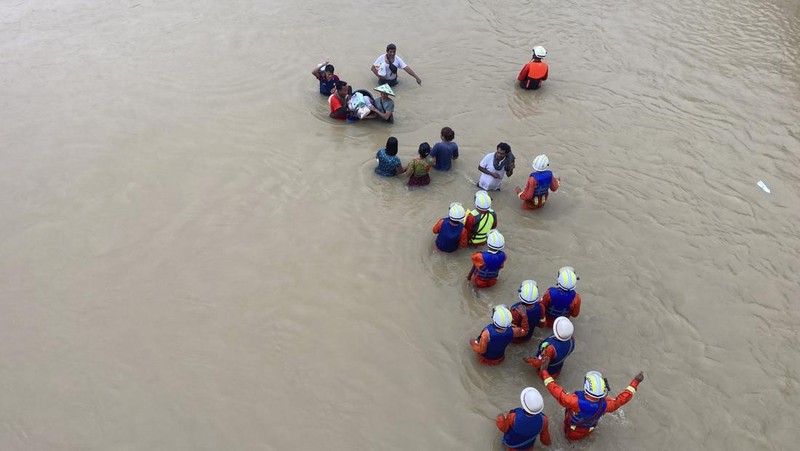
point(763, 186)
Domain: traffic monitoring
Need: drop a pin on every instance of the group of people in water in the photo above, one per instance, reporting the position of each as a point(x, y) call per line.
point(477, 228)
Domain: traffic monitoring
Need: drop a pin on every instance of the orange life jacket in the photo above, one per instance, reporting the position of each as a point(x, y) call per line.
point(537, 70)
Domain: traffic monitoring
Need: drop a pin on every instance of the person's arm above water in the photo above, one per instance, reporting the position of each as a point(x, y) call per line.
point(504, 422)
point(567, 400)
point(463, 240)
point(555, 183)
point(482, 344)
point(455, 151)
point(376, 65)
point(523, 73)
point(626, 395)
point(411, 72)
point(530, 187)
point(519, 331)
point(488, 172)
point(575, 307)
point(315, 72)
point(549, 352)
point(438, 226)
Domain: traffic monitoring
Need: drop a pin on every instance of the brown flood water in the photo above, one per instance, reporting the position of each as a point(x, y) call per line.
point(193, 256)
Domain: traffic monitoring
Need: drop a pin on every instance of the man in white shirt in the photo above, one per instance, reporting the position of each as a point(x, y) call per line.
point(494, 165)
point(385, 67)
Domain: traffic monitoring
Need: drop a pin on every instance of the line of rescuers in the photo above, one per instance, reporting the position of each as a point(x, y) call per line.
point(583, 408)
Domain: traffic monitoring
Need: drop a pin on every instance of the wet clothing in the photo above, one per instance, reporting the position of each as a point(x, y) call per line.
point(387, 164)
point(444, 152)
point(558, 302)
point(534, 316)
point(492, 343)
point(557, 350)
point(486, 267)
point(336, 103)
point(326, 87)
point(385, 106)
point(389, 70)
point(581, 413)
point(533, 74)
point(419, 168)
point(502, 167)
point(521, 429)
point(479, 224)
point(537, 189)
point(449, 236)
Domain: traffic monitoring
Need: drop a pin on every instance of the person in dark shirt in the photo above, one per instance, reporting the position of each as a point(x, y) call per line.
point(445, 151)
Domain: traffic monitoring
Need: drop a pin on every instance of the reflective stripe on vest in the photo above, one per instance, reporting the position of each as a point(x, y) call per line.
point(563, 350)
point(491, 264)
point(498, 342)
point(543, 180)
point(560, 302)
point(526, 427)
point(483, 224)
point(589, 414)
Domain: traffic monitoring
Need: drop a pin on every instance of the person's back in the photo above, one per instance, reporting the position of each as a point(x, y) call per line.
point(445, 151)
point(535, 72)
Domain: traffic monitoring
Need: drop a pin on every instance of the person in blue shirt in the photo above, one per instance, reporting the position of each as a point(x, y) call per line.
point(327, 80)
point(445, 151)
point(389, 164)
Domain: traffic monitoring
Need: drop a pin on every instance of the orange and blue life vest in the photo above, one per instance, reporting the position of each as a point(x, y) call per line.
point(498, 342)
point(560, 302)
point(543, 180)
point(534, 315)
point(522, 434)
point(589, 414)
point(492, 262)
point(447, 239)
point(562, 348)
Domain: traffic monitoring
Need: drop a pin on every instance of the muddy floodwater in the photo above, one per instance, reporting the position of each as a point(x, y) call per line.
point(193, 256)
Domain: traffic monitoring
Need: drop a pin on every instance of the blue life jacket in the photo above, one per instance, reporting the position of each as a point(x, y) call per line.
point(491, 264)
point(543, 180)
point(525, 429)
point(449, 236)
point(534, 315)
point(590, 412)
point(498, 342)
point(562, 348)
point(560, 302)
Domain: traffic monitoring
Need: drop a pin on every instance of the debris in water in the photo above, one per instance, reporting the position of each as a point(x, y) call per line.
point(763, 186)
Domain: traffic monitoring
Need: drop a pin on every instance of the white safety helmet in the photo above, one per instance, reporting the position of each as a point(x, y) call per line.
point(501, 316)
point(539, 51)
point(595, 384)
point(495, 240)
point(540, 163)
point(531, 400)
point(563, 328)
point(457, 212)
point(482, 200)
point(529, 292)
point(567, 279)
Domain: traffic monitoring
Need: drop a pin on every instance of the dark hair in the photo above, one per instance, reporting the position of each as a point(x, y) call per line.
point(391, 146)
point(504, 147)
point(391, 47)
point(329, 68)
point(340, 84)
point(448, 134)
point(424, 150)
